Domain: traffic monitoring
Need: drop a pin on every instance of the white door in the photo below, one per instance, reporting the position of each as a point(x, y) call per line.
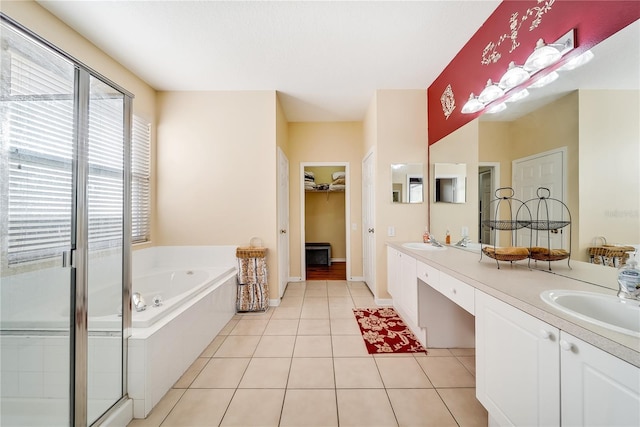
point(368, 222)
point(283, 221)
point(530, 173)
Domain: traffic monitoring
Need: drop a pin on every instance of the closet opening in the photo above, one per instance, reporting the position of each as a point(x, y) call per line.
point(325, 218)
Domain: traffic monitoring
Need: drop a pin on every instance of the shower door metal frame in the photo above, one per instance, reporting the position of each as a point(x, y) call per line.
point(77, 257)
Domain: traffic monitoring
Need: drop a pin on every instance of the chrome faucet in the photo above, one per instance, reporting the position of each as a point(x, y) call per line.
point(138, 302)
point(434, 242)
point(463, 242)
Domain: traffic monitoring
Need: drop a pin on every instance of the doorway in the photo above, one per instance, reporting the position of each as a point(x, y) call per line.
point(325, 244)
point(488, 183)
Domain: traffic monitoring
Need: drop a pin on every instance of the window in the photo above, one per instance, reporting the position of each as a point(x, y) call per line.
point(39, 152)
point(140, 173)
point(37, 108)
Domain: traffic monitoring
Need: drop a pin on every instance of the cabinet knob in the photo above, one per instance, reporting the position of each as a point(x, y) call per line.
point(565, 345)
point(426, 274)
point(453, 291)
point(544, 334)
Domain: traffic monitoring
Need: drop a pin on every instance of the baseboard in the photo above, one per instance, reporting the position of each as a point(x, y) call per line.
point(356, 279)
point(295, 279)
point(274, 302)
point(385, 302)
point(338, 260)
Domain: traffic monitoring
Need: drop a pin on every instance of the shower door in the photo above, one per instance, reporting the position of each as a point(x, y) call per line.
point(64, 247)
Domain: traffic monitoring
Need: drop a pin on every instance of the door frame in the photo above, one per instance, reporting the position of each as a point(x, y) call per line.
point(495, 184)
point(347, 213)
point(372, 282)
point(283, 276)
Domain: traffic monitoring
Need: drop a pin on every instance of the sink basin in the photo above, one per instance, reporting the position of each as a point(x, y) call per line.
point(607, 311)
point(423, 246)
point(471, 247)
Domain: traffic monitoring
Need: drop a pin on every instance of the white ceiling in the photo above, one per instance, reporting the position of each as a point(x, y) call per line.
point(326, 59)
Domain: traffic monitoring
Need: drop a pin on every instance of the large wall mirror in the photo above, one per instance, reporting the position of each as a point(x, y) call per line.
point(591, 114)
point(407, 183)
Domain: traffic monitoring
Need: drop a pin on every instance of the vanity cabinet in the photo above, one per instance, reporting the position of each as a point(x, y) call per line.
point(402, 285)
point(531, 373)
point(517, 365)
point(393, 272)
point(589, 378)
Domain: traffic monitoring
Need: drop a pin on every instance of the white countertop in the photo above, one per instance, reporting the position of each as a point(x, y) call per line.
point(519, 286)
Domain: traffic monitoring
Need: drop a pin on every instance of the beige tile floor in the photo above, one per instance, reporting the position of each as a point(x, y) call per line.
point(304, 363)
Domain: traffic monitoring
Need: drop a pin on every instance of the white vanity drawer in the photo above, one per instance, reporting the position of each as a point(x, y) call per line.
point(457, 291)
point(428, 274)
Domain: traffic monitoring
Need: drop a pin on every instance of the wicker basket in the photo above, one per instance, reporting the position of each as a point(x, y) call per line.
point(251, 252)
point(606, 254)
point(493, 253)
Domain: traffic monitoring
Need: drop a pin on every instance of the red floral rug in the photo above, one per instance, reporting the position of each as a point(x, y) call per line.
point(384, 331)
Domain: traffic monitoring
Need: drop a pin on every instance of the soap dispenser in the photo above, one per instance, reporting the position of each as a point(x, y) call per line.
point(426, 237)
point(629, 278)
point(447, 238)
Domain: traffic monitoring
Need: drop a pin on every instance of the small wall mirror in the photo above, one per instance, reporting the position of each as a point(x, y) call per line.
point(407, 183)
point(450, 182)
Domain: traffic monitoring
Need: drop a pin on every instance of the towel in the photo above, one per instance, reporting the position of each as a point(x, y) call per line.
point(511, 250)
point(536, 250)
point(338, 175)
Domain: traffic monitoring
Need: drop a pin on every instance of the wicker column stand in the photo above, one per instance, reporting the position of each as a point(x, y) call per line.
point(253, 289)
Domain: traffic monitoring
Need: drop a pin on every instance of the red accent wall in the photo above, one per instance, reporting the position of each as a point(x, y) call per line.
point(510, 34)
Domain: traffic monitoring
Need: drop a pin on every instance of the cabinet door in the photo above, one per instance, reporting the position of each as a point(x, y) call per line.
point(517, 365)
point(598, 389)
point(393, 272)
point(409, 284)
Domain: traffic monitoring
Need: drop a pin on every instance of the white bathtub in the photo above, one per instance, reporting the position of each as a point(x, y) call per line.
point(197, 286)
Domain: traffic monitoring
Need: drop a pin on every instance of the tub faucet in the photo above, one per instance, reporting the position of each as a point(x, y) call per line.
point(138, 302)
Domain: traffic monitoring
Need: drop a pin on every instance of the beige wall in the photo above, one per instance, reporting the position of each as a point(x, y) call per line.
point(38, 20)
point(325, 221)
point(396, 129)
point(336, 142)
point(460, 146)
point(609, 167)
point(217, 170)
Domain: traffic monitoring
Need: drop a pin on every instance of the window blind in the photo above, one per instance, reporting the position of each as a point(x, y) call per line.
point(37, 138)
point(140, 181)
point(38, 151)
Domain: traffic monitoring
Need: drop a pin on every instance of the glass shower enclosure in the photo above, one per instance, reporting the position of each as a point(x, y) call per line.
point(64, 222)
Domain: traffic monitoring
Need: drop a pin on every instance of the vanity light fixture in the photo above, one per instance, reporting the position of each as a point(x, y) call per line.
point(517, 96)
point(543, 56)
point(490, 93)
point(541, 82)
point(472, 105)
point(514, 76)
point(548, 54)
point(578, 61)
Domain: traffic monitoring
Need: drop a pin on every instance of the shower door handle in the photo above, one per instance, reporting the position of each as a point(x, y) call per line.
point(68, 258)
